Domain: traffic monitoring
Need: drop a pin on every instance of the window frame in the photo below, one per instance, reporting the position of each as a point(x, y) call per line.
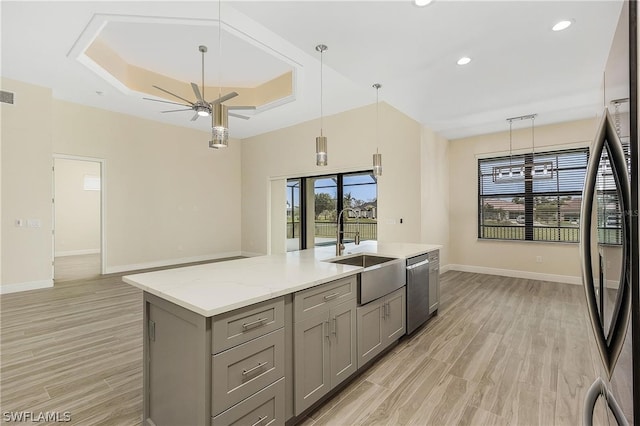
point(339, 177)
point(531, 232)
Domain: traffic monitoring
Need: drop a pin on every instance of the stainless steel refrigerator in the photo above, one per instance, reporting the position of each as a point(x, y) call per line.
point(609, 238)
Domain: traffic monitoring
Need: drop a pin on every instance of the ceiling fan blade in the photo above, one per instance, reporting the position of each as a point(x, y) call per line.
point(245, 107)
point(176, 110)
point(224, 98)
point(173, 94)
point(244, 117)
point(195, 117)
point(166, 102)
point(196, 90)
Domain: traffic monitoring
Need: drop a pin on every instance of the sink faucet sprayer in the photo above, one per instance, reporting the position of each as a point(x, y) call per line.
point(339, 245)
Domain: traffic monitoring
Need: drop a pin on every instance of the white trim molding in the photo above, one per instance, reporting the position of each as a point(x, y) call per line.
point(77, 252)
point(31, 285)
point(568, 279)
point(169, 262)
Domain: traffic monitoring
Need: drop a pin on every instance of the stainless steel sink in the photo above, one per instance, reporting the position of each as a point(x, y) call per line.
point(381, 275)
point(364, 260)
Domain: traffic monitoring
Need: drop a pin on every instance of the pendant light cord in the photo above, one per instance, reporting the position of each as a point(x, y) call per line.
point(510, 142)
point(533, 138)
point(321, 109)
point(220, 49)
point(377, 118)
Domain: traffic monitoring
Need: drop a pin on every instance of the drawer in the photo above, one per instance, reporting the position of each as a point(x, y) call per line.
point(311, 301)
point(264, 408)
point(241, 325)
point(245, 369)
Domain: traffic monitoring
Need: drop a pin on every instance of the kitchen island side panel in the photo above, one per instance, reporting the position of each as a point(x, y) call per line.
point(177, 364)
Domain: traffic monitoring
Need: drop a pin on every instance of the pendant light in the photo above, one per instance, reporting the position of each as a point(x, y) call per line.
point(321, 141)
point(377, 157)
point(219, 113)
point(524, 170)
point(219, 127)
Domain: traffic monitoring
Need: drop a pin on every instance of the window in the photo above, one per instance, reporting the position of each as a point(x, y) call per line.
point(313, 204)
point(538, 209)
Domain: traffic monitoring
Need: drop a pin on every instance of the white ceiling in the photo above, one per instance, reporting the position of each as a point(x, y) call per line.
point(519, 66)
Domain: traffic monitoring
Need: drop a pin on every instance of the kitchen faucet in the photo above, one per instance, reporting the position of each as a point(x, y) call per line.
point(339, 245)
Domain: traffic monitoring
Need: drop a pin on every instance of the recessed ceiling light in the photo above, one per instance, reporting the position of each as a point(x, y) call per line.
point(464, 60)
point(562, 25)
point(422, 3)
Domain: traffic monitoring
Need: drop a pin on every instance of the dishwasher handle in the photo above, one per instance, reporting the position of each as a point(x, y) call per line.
point(417, 265)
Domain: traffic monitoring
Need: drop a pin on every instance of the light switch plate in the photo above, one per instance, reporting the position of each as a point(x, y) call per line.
point(34, 223)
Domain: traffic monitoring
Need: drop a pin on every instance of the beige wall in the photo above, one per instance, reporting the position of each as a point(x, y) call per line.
point(290, 152)
point(26, 187)
point(560, 261)
point(77, 211)
point(435, 192)
point(169, 197)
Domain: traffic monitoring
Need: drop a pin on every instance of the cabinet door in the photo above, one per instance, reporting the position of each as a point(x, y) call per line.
point(370, 319)
point(312, 377)
point(342, 321)
point(395, 316)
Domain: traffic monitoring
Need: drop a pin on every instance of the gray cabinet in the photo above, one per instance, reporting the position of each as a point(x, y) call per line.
point(379, 324)
point(324, 339)
point(226, 369)
point(434, 281)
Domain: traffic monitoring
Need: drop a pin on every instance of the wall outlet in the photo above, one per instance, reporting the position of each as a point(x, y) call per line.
point(538, 259)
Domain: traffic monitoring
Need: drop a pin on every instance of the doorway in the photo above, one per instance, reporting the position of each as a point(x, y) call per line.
point(77, 217)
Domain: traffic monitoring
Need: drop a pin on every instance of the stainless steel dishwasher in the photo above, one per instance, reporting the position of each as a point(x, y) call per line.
point(417, 292)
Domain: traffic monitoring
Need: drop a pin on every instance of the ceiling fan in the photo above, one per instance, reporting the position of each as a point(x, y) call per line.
point(201, 107)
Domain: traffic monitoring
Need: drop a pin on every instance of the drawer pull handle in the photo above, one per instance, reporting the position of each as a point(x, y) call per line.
point(251, 370)
point(331, 296)
point(258, 322)
point(260, 420)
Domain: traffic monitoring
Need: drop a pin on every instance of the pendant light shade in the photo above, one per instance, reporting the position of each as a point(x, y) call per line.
point(219, 127)
point(321, 150)
point(321, 141)
point(377, 164)
point(377, 157)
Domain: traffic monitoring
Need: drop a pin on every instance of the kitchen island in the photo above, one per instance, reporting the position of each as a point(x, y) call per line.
point(221, 340)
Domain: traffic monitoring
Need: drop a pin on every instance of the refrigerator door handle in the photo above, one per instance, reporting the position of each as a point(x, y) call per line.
point(609, 344)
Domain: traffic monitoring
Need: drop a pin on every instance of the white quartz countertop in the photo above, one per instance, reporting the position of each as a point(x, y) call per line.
point(214, 288)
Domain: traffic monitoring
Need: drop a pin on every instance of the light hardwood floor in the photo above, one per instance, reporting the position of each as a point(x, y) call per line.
point(84, 266)
point(501, 351)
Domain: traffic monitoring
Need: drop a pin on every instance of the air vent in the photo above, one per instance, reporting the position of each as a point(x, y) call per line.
point(6, 97)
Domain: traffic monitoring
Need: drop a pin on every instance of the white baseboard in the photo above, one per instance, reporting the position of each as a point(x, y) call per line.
point(612, 284)
point(76, 252)
point(568, 279)
point(31, 285)
point(445, 268)
point(168, 262)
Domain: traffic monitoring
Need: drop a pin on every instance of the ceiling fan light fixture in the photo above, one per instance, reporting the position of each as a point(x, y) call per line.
point(202, 111)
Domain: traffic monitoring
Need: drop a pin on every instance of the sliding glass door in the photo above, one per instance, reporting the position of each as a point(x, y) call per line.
point(313, 204)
